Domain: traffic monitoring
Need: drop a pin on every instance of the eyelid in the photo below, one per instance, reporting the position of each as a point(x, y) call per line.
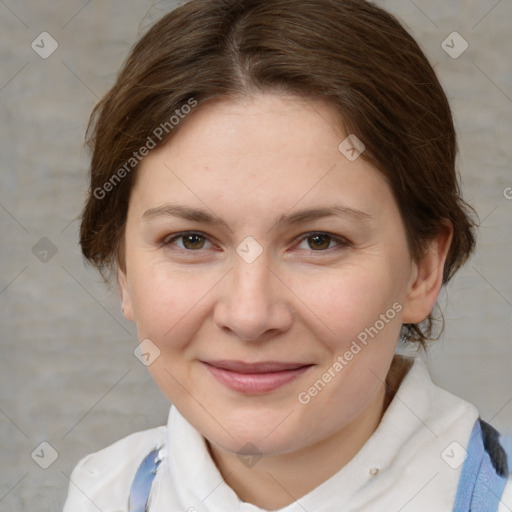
point(340, 241)
point(169, 239)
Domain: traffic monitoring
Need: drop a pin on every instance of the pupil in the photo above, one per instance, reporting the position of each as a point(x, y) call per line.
point(318, 238)
point(193, 240)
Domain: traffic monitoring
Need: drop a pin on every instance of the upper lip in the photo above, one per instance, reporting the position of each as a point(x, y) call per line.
point(262, 367)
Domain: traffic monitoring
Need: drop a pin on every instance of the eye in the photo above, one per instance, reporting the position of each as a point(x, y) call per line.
point(194, 241)
point(320, 242)
point(190, 241)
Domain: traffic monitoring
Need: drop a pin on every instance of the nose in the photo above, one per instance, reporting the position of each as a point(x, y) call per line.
point(254, 303)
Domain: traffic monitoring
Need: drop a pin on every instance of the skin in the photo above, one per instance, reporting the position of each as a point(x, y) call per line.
point(305, 299)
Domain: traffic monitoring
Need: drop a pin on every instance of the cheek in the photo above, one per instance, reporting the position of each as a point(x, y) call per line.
point(359, 310)
point(166, 303)
point(349, 300)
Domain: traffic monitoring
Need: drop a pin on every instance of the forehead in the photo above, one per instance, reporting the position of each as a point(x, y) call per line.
point(252, 129)
point(266, 151)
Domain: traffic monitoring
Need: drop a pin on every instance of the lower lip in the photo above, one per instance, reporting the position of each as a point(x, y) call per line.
point(255, 383)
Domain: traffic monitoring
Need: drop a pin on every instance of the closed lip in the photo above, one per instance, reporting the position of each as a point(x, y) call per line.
point(252, 368)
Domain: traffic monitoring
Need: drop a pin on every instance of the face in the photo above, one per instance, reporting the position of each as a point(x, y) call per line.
point(257, 256)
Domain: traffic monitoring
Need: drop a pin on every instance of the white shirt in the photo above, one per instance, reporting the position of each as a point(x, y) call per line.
point(412, 463)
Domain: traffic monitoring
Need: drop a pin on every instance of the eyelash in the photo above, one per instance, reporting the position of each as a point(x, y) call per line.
point(342, 242)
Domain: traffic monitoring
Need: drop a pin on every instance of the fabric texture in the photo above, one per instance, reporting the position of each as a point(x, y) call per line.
point(407, 464)
point(142, 482)
point(480, 487)
point(484, 473)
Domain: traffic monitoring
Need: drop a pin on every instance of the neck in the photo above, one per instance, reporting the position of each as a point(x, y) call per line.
point(277, 481)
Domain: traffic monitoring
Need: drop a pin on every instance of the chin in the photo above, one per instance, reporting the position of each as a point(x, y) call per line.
point(256, 441)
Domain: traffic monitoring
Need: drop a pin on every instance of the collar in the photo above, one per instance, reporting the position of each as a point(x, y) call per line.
point(405, 465)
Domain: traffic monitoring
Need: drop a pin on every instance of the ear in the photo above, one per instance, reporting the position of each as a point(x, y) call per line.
point(124, 291)
point(427, 277)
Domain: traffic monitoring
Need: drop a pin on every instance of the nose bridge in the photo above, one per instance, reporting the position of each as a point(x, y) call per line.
point(253, 303)
point(251, 273)
point(251, 286)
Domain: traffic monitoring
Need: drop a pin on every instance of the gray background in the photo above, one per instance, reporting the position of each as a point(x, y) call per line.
point(67, 371)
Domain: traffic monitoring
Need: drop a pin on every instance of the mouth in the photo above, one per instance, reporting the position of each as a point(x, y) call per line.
point(255, 378)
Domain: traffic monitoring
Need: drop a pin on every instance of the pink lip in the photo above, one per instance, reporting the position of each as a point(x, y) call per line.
point(255, 378)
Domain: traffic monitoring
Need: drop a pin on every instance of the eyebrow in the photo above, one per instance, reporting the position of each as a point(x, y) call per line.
point(204, 216)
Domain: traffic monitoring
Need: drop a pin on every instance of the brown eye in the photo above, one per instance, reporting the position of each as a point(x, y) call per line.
point(322, 242)
point(193, 241)
point(319, 242)
point(189, 241)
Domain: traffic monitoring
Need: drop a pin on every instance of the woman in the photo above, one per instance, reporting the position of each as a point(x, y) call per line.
point(273, 186)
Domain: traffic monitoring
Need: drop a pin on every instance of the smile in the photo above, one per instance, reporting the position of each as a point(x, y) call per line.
point(255, 378)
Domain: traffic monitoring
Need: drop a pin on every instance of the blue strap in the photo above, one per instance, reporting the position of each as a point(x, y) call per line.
point(480, 485)
point(141, 485)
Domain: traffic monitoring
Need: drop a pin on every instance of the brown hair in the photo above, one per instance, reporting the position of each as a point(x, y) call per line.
point(351, 53)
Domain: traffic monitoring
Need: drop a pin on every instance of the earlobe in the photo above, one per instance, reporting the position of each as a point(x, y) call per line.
point(126, 303)
point(427, 277)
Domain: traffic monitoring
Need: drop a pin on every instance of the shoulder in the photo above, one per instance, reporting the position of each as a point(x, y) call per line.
point(102, 480)
point(506, 498)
